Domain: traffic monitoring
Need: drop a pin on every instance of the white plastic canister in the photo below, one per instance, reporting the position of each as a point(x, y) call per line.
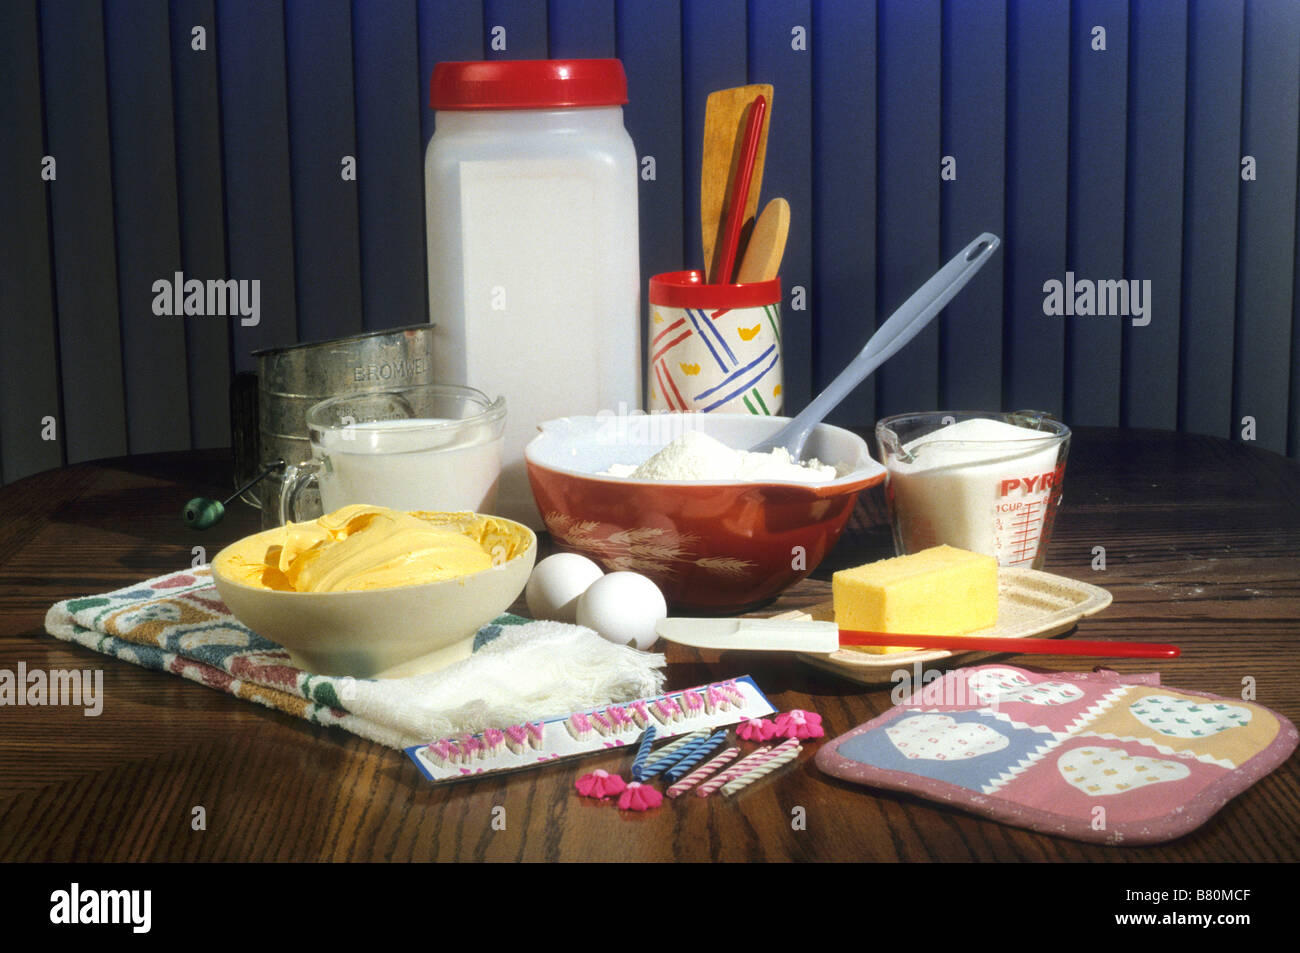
point(534, 275)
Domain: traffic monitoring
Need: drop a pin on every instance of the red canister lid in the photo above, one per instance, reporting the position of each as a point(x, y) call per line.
point(688, 289)
point(527, 84)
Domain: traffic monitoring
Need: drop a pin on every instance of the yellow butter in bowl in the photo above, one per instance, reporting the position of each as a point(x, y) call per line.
point(938, 591)
point(363, 547)
point(371, 592)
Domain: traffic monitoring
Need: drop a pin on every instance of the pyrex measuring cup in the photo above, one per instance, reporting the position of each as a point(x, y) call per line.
point(986, 482)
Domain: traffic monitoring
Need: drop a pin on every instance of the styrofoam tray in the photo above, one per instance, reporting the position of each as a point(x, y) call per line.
point(1031, 604)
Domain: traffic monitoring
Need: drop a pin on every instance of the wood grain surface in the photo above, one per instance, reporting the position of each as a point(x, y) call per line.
point(1202, 548)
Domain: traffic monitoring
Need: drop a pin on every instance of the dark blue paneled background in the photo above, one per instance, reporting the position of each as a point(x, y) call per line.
point(207, 136)
point(1038, 185)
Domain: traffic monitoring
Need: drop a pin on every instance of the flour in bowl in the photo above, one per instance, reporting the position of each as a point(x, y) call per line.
point(697, 456)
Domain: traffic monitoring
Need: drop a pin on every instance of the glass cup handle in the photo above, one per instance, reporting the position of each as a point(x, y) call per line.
point(296, 478)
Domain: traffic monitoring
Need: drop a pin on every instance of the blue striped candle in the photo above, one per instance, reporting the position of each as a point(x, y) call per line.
point(671, 753)
point(687, 751)
point(643, 752)
point(692, 758)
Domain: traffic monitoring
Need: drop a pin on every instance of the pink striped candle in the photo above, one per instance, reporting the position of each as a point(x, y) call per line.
point(702, 772)
point(759, 757)
point(754, 759)
point(773, 762)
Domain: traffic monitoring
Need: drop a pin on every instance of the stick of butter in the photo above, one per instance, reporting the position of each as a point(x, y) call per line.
point(938, 591)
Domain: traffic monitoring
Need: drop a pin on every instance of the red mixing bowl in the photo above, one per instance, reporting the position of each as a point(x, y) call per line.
point(712, 547)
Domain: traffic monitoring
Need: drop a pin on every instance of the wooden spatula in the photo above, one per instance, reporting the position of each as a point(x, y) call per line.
point(724, 125)
point(762, 261)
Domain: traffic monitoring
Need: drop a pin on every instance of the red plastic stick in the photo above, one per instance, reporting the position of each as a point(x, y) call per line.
point(994, 643)
point(740, 197)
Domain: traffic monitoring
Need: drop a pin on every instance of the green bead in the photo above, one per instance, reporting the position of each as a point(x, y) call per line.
point(201, 513)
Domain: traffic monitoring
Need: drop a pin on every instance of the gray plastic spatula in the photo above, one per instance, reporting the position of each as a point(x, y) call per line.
point(903, 325)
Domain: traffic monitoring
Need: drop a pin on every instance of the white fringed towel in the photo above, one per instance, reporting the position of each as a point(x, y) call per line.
point(529, 672)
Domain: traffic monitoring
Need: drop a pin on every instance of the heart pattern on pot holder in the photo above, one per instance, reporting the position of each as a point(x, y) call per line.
point(1095, 756)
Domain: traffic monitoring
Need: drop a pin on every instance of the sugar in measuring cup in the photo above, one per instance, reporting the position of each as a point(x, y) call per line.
point(986, 482)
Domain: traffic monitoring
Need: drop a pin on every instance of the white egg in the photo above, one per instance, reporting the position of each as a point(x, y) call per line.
point(556, 583)
point(623, 607)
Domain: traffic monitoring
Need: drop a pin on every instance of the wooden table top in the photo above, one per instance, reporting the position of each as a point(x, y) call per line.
point(1202, 546)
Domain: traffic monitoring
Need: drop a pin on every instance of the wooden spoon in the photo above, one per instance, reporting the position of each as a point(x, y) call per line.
point(724, 125)
point(762, 261)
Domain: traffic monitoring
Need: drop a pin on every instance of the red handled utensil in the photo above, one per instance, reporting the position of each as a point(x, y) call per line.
point(995, 643)
point(801, 635)
point(740, 198)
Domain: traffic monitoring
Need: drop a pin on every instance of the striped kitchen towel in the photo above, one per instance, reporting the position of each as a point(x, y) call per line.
point(520, 670)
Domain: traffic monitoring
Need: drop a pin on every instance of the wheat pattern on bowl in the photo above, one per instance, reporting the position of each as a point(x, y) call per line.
point(712, 547)
point(645, 550)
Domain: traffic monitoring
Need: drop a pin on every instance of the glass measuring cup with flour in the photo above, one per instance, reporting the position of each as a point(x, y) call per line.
point(421, 447)
point(986, 482)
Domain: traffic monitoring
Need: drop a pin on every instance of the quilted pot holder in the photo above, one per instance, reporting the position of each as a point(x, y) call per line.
point(1096, 756)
